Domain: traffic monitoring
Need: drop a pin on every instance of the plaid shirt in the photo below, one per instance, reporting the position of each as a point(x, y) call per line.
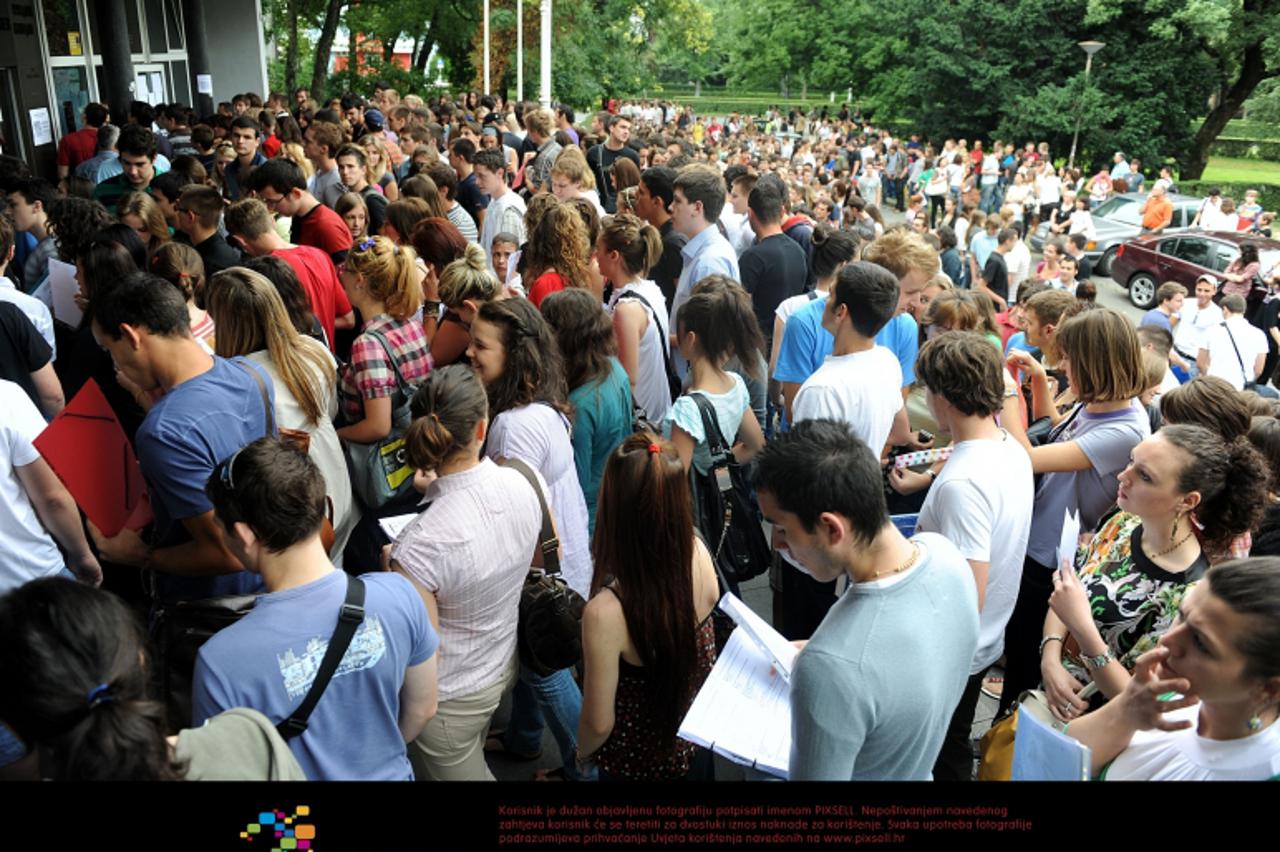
point(370, 374)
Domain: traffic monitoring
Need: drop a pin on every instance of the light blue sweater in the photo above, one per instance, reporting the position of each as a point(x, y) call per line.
point(874, 690)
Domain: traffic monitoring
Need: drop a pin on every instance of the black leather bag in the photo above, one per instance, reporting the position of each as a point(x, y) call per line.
point(724, 509)
point(549, 635)
point(180, 629)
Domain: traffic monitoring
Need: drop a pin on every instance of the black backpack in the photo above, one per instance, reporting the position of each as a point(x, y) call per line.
point(724, 509)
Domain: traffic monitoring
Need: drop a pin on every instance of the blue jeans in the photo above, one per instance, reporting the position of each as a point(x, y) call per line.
point(556, 696)
point(986, 203)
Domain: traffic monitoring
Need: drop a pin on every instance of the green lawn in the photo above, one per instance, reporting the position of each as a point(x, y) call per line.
point(1229, 170)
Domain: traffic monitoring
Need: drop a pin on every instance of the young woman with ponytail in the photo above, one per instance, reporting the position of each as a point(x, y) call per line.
point(467, 555)
point(1183, 498)
point(74, 663)
point(253, 322)
point(648, 640)
point(465, 285)
point(181, 266)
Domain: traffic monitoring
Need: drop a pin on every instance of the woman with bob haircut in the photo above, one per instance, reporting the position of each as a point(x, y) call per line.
point(647, 635)
point(1079, 464)
point(1202, 705)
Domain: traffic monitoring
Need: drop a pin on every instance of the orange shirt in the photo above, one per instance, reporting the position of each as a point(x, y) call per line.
point(1159, 213)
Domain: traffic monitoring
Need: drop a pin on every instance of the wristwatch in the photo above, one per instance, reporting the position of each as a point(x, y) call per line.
point(1098, 662)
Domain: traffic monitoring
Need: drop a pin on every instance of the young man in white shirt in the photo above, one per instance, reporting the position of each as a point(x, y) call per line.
point(1194, 322)
point(1233, 350)
point(981, 501)
point(506, 209)
point(859, 383)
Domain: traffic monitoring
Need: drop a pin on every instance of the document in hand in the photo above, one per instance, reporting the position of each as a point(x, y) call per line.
point(1042, 753)
point(743, 711)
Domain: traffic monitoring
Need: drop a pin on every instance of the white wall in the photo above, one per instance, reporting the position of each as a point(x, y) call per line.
point(237, 52)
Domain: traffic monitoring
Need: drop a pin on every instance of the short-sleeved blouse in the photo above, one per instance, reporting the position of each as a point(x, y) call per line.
point(729, 407)
point(1134, 601)
point(370, 374)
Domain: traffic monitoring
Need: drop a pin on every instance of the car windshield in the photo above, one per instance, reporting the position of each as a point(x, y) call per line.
point(1123, 211)
point(1268, 260)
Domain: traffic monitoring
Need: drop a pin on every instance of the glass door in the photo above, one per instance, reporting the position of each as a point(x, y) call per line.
point(150, 84)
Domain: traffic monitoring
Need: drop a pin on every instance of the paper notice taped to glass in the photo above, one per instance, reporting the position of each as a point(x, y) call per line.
point(743, 711)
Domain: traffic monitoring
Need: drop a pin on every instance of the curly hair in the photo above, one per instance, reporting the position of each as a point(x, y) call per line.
point(1231, 479)
point(585, 334)
point(75, 222)
point(559, 242)
point(534, 370)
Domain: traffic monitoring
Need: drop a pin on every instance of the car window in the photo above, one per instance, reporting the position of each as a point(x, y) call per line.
point(1109, 207)
point(1268, 260)
point(1223, 254)
point(1194, 250)
point(1167, 247)
point(1121, 210)
point(1183, 216)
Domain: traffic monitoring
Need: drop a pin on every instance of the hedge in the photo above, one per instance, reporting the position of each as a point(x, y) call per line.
point(1247, 149)
point(1269, 193)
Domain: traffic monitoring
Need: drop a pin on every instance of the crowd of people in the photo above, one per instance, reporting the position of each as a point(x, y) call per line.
point(532, 333)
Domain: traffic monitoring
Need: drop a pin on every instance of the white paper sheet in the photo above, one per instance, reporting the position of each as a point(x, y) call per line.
point(1041, 753)
point(63, 290)
point(204, 84)
point(41, 127)
point(743, 711)
point(1070, 539)
point(395, 525)
point(780, 652)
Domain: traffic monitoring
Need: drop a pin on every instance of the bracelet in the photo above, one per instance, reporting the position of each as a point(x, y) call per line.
point(931, 473)
point(1010, 394)
point(1046, 640)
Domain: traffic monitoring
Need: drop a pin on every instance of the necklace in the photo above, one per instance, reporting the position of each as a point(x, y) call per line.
point(1173, 547)
point(915, 554)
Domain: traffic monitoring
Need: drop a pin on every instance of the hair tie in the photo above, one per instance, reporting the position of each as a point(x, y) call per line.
point(366, 244)
point(655, 449)
point(436, 418)
point(100, 694)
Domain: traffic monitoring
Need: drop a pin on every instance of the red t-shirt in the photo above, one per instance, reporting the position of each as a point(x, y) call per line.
point(317, 275)
point(325, 230)
point(547, 283)
point(75, 148)
point(271, 146)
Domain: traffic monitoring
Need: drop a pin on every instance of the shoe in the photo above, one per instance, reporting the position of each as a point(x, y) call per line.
point(993, 687)
point(494, 745)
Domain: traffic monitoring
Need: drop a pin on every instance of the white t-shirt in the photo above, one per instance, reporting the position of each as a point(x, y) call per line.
point(1223, 362)
point(29, 552)
point(1186, 756)
point(791, 304)
point(1193, 326)
point(982, 502)
point(1018, 260)
point(863, 389)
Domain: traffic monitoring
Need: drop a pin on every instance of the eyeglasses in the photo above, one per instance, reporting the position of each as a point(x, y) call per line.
point(225, 475)
point(271, 202)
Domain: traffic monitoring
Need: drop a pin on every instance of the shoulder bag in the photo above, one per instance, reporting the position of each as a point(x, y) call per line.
point(549, 635)
point(380, 471)
point(1250, 384)
point(349, 619)
point(724, 508)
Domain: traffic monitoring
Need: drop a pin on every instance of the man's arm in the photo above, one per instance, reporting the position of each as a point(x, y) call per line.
point(1202, 361)
point(418, 702)
point(206, 555)
point(57, 510)
point(49, 389)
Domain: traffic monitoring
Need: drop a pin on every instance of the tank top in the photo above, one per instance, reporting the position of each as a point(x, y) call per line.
point(631, 751)
point(653, 393)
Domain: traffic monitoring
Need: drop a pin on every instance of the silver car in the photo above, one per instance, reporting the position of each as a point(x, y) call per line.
point(1117, 220)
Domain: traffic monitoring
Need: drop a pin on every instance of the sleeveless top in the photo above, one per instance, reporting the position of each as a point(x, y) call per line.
point(631, 751)
point(653, 393)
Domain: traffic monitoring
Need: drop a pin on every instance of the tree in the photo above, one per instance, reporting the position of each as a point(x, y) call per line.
point(324, 46)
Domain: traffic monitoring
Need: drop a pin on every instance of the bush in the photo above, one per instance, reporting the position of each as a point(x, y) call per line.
point(1248, 149)
point(1268, 193)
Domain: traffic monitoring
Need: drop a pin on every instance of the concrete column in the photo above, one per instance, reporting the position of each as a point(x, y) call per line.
point(193, 23)
point(117, 66)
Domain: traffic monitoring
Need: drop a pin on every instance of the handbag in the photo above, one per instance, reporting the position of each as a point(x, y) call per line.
point(180, 629)
point(724, 508)
point(549, 632)
point(349, 619)
point(380, 471)
point(997, 742)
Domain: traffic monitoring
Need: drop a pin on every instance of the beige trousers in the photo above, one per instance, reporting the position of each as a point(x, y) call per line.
point(451, 747)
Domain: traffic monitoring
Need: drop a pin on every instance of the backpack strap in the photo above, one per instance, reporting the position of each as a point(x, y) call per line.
point(349, 618)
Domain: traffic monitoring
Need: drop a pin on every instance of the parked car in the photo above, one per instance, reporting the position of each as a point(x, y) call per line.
point(1142, 265)
point(1116, 220)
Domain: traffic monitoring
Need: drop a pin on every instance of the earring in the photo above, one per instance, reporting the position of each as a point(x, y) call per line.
point(1254, 724)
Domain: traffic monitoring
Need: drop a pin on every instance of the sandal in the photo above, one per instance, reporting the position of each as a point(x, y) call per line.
point(494, 745)
point(993, 687)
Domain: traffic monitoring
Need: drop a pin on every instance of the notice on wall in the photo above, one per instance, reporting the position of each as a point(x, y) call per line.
point(41, 127)
point(204, 84)
point(73, 44)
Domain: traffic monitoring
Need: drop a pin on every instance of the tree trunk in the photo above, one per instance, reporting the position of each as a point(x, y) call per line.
point(389, 47)
point(1253, 70)
point(424, 52)
point(697, 88)
point(320, 69)
point(291, 53)
point(353, 52)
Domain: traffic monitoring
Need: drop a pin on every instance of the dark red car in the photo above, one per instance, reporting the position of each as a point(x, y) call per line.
point(1142, 265)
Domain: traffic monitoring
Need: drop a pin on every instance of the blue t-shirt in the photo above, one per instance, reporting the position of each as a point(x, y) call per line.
point(601, 420)
point(267, 661)
point(1157, 317)
point(806, 344)
point(1018, 340)
point(187, 433)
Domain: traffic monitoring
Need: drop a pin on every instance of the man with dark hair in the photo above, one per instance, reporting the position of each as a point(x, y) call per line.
point(30, 202)
point(143, 114)
point(995, 274)
point(446, 181)
point(1169, 298)
point(564, 121)
point(280, 185)
point(174, 120)
point(75, 148)
point(653, 202)
point(137, 147)
point(321, 141)
point(269, 501)
point(601, 157)
point(36, 310)
point(697, 197)
point(1075, 247)
point(980, 501)
point(351, 168)
point(198, 213)
point(208, 408)
point(462, 154)
point(353, 111)
point(910, 607)
point(166, 189)
point(505, 212)
point(775, 268)
point(244, 138)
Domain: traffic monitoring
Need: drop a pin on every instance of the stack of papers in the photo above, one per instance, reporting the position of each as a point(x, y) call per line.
point(743, 711)
point(1042, 753)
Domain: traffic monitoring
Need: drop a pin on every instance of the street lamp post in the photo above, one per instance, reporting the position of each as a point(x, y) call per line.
point(1089, 48)
point(486, 47)
point(519, 50)
point(544, 59)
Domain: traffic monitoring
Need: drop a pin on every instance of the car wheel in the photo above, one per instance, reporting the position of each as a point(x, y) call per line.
point(1103, 266)
point(1142, 291)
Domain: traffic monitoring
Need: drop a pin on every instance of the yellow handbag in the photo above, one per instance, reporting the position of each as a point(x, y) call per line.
point(997, 742)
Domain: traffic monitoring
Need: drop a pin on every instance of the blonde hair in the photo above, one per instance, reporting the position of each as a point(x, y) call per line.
point(901, 252)
point(293, 152)
point(143, 206)
point(374, 140)
point(468, 277)
point(541, 121)
point(1154, 366)
point(390, 273)
point(572, 165)
point(251, 316)
point(248, 218)
point(181, 266)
